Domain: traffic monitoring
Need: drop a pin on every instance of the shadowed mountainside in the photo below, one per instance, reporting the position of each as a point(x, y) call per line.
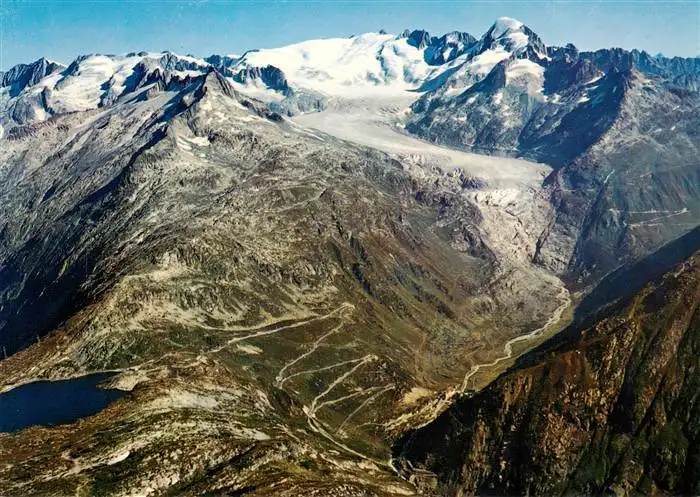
point(611, 407)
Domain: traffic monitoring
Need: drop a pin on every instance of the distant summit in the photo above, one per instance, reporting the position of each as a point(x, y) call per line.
point(303, 76)
point(21, 76)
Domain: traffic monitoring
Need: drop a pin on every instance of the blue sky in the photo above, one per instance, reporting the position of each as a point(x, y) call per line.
point(61, 30)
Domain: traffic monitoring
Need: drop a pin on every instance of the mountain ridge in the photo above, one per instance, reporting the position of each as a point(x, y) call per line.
point(511, 36)
point(290, 257)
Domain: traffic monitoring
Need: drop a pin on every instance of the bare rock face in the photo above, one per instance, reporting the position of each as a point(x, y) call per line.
point(270, 76)
point(23, 76)
point(637, 187)
point(605, 407)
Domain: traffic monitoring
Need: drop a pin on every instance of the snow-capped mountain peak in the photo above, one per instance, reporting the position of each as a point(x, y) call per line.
point(347, 66)
point(513, 36)
point(35, 92)
point(504, 26)
point(303, 75)
point(309, 75)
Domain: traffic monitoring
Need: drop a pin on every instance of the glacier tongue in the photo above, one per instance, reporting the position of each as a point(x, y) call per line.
point(375, 122)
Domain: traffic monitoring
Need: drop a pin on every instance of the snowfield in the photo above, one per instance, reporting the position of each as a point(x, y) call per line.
point(363, 64)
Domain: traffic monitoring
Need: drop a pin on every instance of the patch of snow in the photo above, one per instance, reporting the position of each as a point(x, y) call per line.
point(518, 39)
point(524, 67)
point(249, 349)
point(96, 75)
point(483, 63)
point(256, 89)
point(510, 29)
point(605, 181)
point(526, 72)
point(191, 59)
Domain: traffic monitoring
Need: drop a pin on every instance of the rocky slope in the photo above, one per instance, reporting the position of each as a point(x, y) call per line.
point(619, 126)
point(278, 302)
point(637, 187)
point(281, 302)
point(608, 406)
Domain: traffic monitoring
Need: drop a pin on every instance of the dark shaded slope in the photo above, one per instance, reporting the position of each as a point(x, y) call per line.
point(627, 280)
point(613, 408)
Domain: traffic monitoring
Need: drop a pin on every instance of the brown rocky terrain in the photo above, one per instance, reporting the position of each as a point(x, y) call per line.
point(607, 406)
